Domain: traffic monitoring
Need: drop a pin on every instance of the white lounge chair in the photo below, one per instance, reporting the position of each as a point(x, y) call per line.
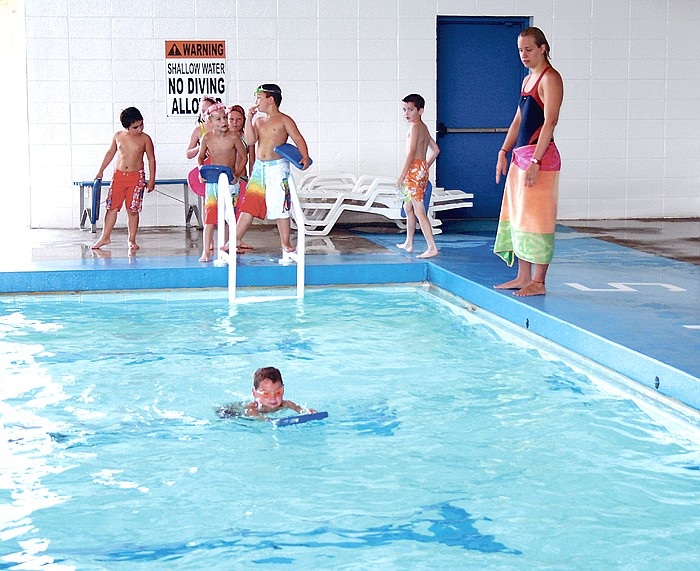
point(317, 181)
point(450, 199)
point(323, 203)
point(440, 200)
point(324, 197)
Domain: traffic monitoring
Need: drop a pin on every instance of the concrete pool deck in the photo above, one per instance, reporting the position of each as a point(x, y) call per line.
point(634, 312)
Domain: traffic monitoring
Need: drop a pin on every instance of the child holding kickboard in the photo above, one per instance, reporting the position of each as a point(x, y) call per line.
point(268, 398)
point(267, 192)
point(224, 148)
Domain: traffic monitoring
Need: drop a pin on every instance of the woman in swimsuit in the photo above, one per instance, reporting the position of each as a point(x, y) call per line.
point(528, 214)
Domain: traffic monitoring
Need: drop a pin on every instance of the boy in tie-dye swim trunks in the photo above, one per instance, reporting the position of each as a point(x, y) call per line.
point(267, 193)
point(224, 148)
point(129, 147)
point(414, 175)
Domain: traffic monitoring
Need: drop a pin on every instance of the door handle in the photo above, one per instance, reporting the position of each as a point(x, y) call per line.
point(442, 130)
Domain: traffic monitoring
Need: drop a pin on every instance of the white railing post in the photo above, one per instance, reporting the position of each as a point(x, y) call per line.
point(225, 213)
point(299, 256)
point(301, 236)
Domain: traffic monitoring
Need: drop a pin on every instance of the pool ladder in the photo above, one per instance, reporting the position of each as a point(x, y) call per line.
point(226, 212)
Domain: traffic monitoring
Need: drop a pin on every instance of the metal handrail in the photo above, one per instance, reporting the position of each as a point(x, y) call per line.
point(298, 256)
point(226, 213)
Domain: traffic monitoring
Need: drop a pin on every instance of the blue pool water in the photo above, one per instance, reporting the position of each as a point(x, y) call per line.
point(449, 443)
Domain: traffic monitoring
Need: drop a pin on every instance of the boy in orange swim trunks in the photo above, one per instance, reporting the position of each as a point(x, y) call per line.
point(129, 180)
point(414, 175)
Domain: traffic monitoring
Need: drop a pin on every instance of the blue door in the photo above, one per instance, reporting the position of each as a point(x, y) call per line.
point(479, 75)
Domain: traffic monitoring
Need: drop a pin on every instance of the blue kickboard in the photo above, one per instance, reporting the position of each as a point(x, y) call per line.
point(426, 199)
point(211, 173)
point(96, 192)
point(292, 154)
point(298, 419)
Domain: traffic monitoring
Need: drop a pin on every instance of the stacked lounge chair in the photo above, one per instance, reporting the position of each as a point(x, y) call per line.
point(325, 197)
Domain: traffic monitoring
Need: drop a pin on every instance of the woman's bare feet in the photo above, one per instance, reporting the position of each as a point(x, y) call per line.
point(512, 284)
point(245, 246)
point(286, 247)
point(533, 288)
point(429, 253)
point(405, 247)
point(101, 242)
point(133, 246)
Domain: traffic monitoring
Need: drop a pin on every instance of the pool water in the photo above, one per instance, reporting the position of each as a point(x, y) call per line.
point(449, 444)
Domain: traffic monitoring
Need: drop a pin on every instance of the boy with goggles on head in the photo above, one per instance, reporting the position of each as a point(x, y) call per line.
point(267, 192)
point(268, 395)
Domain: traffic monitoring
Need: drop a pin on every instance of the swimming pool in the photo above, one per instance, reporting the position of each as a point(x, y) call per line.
point(450, 443)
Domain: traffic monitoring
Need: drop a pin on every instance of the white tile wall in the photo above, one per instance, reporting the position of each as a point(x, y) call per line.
point(629, 128)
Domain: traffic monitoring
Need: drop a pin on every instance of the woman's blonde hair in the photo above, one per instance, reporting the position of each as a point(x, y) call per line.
point(539, 37)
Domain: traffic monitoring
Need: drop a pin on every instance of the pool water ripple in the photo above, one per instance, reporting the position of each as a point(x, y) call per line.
point(447, 444)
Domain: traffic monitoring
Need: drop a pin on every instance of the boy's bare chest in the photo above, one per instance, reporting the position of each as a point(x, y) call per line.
point(222, 144)
point(271, 127)
point(131, 148)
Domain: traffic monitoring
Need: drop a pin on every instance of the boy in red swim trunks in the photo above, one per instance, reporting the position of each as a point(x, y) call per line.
point(129, 180)
point(414, 175)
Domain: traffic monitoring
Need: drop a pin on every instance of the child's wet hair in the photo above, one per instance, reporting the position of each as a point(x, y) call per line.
point(271, 90)
point(416, 99)
point(129, 116)
point(267, 373)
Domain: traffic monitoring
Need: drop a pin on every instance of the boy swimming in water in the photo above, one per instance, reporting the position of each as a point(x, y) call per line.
point(268, 395)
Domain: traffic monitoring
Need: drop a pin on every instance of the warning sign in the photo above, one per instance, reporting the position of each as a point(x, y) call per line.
point(193, 69)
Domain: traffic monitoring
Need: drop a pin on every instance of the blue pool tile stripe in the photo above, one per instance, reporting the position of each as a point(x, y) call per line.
point(640, 334)
point(167, 273)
